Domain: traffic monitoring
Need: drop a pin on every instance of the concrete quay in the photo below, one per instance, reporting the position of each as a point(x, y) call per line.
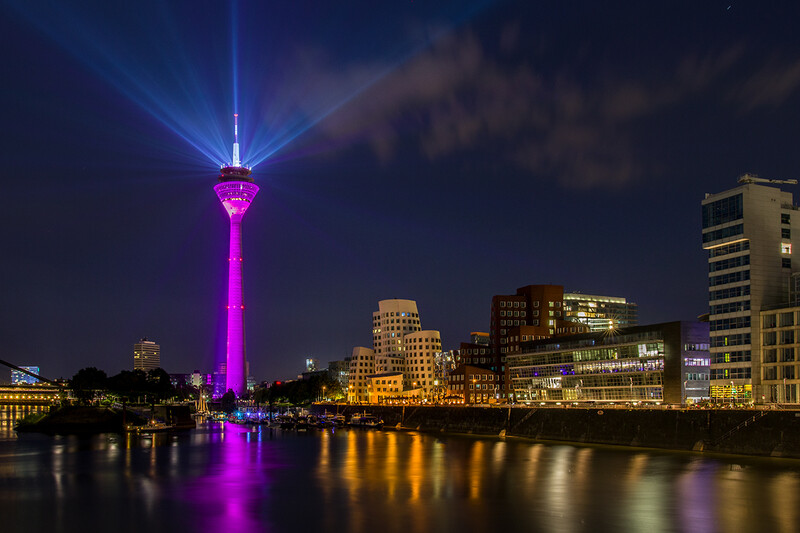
point(774, 433)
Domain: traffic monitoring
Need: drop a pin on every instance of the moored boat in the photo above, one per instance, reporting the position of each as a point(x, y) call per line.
point(366, 420)
point(152, 426)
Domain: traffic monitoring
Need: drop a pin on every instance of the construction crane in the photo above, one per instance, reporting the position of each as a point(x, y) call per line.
point(753, 178)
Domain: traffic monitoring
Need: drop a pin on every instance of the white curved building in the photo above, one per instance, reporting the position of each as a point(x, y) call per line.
point(393, 320)
point(421, 348)
point(362, 365)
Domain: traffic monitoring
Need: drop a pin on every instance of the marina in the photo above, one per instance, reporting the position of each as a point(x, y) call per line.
point(235, 477)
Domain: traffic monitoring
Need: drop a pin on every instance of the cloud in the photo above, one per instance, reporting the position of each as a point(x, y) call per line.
point(770, 86)
point(456, 97)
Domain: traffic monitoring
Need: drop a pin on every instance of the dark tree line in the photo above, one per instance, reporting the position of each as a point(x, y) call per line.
point(301, 392)
point(153, 385)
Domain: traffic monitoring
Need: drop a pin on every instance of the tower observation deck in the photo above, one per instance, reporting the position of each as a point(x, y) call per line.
point(236, 190)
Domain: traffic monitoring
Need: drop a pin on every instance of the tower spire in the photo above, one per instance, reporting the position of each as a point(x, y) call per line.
point(236, 161)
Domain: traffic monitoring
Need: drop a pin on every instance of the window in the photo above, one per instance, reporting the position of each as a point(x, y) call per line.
point(786, 262)
point(786, 233)
point(722, 211)
point(785, 218)
point(723, 233)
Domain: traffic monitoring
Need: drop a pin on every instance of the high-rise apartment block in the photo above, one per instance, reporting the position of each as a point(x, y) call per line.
point(600, 313)
point(748, 233)
point(146, 355)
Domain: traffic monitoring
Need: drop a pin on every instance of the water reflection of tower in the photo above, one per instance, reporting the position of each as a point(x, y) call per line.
point(236, 190)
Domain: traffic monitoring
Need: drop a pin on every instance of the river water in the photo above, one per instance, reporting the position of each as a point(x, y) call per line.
point(231, 478)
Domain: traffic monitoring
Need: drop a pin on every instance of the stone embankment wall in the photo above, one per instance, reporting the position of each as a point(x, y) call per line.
point(766, 433)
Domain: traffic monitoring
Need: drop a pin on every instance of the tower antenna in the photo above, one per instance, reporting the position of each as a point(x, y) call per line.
point(236, 161)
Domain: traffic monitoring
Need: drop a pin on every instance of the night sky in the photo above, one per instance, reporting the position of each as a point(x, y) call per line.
point(440, 152)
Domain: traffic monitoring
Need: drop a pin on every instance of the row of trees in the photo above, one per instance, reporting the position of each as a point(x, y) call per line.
point(301, 392)
point(152, 385)
point(155, 386)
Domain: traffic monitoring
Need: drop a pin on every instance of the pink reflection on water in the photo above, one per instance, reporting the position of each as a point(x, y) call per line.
point(231, 497)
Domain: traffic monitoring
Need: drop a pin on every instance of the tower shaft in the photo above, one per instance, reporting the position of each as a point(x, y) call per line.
point(236, 357)
point(236, 192)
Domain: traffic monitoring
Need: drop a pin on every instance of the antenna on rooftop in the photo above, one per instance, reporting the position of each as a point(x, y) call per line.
point(753, 178)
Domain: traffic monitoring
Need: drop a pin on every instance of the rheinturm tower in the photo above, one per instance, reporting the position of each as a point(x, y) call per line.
point(236, 190)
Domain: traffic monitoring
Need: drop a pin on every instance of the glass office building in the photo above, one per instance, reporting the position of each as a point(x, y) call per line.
point(666, 363)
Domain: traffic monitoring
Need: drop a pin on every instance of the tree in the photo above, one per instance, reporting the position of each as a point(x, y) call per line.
point(228, 401)
point(159, 384)
point(86, 382)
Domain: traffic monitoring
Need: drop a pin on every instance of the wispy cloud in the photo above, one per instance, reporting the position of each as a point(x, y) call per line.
point(455, 96)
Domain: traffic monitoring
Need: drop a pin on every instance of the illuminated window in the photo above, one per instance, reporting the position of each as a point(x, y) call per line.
point(786, 248)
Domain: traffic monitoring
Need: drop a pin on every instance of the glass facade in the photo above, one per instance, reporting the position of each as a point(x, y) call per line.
point(722, 211)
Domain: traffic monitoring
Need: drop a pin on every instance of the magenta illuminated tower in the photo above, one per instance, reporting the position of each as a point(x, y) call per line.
point(236, 189)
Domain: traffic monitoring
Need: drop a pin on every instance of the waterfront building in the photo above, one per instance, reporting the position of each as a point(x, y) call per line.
point(534, 312)
point(146, 355)
point(384, 386)
point(474, 384)
point(21, 378)
point(339, 371)
point(780, 346)
point(27, 394)
point(666, 363)
point(390, 323)
point(600, 312)
point(180, 380)
point(421, 348)
point(748, 233)
point(362, 365)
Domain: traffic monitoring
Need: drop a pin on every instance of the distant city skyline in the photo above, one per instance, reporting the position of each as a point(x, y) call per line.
point(443, 153)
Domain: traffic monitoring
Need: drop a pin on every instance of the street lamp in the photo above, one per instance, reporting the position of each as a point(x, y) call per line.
point(733, 390)
point(631, 391)
point(323, 393)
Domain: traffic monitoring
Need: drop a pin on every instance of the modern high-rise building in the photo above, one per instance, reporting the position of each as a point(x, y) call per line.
point(600, 313)
point(748, 233)
point(21, 378)
point(236, 190)
point(146, 355)
point(390, 323)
